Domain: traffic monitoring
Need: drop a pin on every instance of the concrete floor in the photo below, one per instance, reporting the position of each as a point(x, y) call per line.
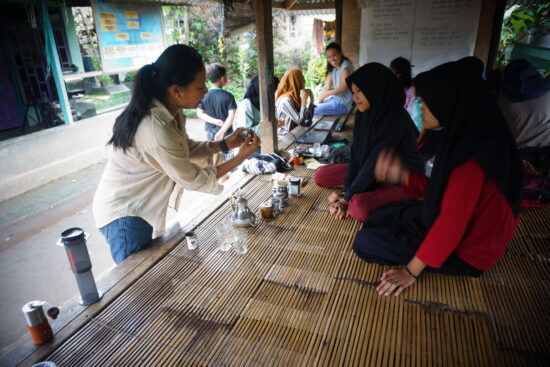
point(32, 267)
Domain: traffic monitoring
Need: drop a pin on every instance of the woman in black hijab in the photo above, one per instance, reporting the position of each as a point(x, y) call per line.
point(472, 199)
point(381, 122)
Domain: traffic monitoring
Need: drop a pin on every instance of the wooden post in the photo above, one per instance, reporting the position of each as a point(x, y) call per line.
point(351, 23)
point(339, 4)
point(264, 37)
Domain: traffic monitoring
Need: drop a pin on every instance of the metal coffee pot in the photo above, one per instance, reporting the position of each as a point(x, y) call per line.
point(242, 216)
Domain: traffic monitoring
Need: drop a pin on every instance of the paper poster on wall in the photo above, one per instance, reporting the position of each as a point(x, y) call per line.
point(130, 35)
point(427, 32)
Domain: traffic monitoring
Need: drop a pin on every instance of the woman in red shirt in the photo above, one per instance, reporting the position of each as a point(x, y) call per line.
point(471, 201)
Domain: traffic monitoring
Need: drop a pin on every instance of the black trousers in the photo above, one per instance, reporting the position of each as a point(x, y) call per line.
point(393, 234)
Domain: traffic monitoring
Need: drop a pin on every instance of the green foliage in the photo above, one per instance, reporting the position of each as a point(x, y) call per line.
point(130, 77)
point(520, 22)
point(315, 74)
point(106, 80)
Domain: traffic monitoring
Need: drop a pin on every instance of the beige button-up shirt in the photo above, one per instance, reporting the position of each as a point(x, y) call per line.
point(139, 182)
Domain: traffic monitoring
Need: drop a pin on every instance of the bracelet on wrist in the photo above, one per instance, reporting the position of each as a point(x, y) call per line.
point(223, 146)
point(410, 272)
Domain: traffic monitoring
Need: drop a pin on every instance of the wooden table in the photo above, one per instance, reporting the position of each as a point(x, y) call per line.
point(300, 297)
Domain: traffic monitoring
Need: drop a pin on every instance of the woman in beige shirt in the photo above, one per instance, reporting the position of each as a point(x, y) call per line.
point(152, 153)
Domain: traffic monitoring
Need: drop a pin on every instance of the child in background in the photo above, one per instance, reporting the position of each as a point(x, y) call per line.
point(218, 107)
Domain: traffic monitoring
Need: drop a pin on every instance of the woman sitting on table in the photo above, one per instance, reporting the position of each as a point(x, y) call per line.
point(152, 153)
point(471, 202)
point(336, 98)
point(291, 100)
point(381, 121)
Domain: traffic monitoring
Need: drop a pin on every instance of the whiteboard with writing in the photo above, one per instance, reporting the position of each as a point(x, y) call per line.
point(427, 32)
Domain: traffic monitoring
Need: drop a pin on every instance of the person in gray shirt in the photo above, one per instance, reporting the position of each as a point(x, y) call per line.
point(336, 98)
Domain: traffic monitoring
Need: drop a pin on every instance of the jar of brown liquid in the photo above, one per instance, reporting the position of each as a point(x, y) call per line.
point(266, 210)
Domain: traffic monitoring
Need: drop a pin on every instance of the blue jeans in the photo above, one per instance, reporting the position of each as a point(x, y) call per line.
point(211, 130)
point(127, 235)
point(331, 107)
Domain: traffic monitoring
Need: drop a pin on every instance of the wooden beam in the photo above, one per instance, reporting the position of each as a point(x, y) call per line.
point(339, 6)
point(314, 6)
point(290, 3)
point(351, 23)
point(264, 37)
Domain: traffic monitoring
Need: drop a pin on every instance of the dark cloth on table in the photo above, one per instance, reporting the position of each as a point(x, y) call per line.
point(393, 234)
point(473, 127)
point(387, 124)
point(522, 82)
point(217, 103)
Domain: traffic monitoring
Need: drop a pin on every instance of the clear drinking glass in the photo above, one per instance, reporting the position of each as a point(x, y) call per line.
point(224, 232)
point(317, 151)
point(240, 240)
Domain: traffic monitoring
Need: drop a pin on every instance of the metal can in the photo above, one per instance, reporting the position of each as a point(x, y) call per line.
point(191, 240)
point(277, 205)
point(295, 186)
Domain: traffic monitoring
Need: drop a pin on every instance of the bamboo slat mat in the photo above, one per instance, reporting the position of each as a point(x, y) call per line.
point(300, 297)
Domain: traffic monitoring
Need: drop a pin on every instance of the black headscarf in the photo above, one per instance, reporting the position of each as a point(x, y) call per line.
point(522, 82)
point(253, 92)
point(473, 127)
point(385, 125)
point(472, 65)
point(403, 67)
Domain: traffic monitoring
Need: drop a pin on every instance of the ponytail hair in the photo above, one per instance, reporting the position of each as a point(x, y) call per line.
point(338, 48)
point(178, 65)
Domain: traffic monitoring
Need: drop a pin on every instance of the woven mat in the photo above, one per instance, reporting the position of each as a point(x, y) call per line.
point(300, 297)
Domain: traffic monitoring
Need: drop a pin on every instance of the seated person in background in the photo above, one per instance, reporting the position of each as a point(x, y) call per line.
point(401, 67)
point(336, 98)
point(218, 107)
point(471, 203)
point(248, 110)
point(291, 100)
point(525, 102)
point(381, 122)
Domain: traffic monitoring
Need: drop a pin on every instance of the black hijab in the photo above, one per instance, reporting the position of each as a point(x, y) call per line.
point(385, 125)
point(473, 127)
point(387, 120)
point(522, 82)
point(253, 92)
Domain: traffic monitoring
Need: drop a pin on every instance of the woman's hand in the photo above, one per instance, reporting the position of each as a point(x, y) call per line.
point(334, 197)
point(389, 168)
point(394, 281)
point(339, 209)
point(234, 140)
point(249, 146)
point(321, 97)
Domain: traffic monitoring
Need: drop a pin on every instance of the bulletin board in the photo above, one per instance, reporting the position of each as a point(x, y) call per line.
point(427, 32)
point(130, 34)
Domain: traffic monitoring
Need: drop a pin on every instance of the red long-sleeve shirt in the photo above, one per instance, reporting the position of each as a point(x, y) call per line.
point(475, 221)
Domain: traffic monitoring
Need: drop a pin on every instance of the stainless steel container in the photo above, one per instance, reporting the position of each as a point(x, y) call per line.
point(74, 242)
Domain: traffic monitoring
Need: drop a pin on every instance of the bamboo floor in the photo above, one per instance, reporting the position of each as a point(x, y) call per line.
point(300, 297)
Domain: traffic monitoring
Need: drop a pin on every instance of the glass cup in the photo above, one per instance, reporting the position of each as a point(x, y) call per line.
point(317, 151)
point(240, 240)
point(224, 233)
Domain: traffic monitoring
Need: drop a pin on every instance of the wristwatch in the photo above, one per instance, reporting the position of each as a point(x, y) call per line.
point(223, 146)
